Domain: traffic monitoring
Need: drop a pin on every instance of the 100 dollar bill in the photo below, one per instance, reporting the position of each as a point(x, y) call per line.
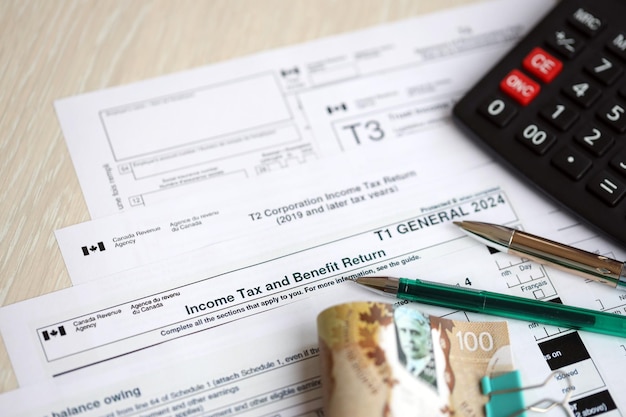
point(378, 360)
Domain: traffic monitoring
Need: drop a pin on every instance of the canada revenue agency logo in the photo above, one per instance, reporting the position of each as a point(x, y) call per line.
point(53, 333)
point(93, 248)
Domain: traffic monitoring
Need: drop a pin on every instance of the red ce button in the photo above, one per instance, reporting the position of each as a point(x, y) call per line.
point(542, 65)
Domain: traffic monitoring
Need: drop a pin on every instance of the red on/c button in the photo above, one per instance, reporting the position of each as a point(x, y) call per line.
point(542, 65)
point(519, 87)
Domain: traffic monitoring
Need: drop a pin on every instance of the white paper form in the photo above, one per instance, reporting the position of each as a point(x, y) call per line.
point(154, 140)
point(260, 295)
point(409, 105)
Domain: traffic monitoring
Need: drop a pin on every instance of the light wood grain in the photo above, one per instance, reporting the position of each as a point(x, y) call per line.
point(56, 48)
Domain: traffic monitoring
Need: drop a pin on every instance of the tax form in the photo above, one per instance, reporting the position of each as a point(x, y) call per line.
point(229, 329)
point(159, 139)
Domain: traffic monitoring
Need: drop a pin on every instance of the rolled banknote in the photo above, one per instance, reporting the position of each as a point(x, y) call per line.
point(378, 360)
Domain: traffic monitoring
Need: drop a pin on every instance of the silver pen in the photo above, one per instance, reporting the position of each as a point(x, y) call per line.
point(585, 264)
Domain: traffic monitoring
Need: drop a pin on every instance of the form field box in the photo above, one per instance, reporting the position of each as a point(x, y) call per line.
point(168, 122)
point(215, 150)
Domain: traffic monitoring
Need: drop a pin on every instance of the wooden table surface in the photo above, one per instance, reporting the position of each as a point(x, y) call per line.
point(51, 49)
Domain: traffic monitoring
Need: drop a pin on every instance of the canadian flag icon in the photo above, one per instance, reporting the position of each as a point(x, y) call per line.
point(93, 248)
point(59, 331)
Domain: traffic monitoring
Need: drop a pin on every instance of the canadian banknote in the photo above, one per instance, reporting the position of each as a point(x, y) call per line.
point(378, 360)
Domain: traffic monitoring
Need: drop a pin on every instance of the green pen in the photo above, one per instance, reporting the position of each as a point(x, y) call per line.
point(492, 303)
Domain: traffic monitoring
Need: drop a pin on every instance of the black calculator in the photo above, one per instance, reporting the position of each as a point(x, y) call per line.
point(554, 109)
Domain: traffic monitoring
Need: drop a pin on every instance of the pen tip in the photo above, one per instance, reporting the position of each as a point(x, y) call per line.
point(369, 278)
point(380, 283)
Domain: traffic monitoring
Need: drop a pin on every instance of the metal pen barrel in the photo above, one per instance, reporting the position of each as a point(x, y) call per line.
point(585, 264)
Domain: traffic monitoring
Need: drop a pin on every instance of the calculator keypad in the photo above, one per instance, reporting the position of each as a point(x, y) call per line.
point(555, 109)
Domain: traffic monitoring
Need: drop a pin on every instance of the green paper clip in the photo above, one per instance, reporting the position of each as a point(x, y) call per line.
point(506, 399)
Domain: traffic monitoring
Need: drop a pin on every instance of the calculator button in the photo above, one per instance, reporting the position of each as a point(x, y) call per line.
point(572, 163)
point(519, 87)
point(536, 138)
point(559, 115)
point(607, 187)
point(603, 69)
point(612, 113)
point(565, 42)
point(594, 140)
point(586, 22)
point(619, 163)
point(582, 92)
point(617, 45)
point(542, 65)
point(498, 110)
